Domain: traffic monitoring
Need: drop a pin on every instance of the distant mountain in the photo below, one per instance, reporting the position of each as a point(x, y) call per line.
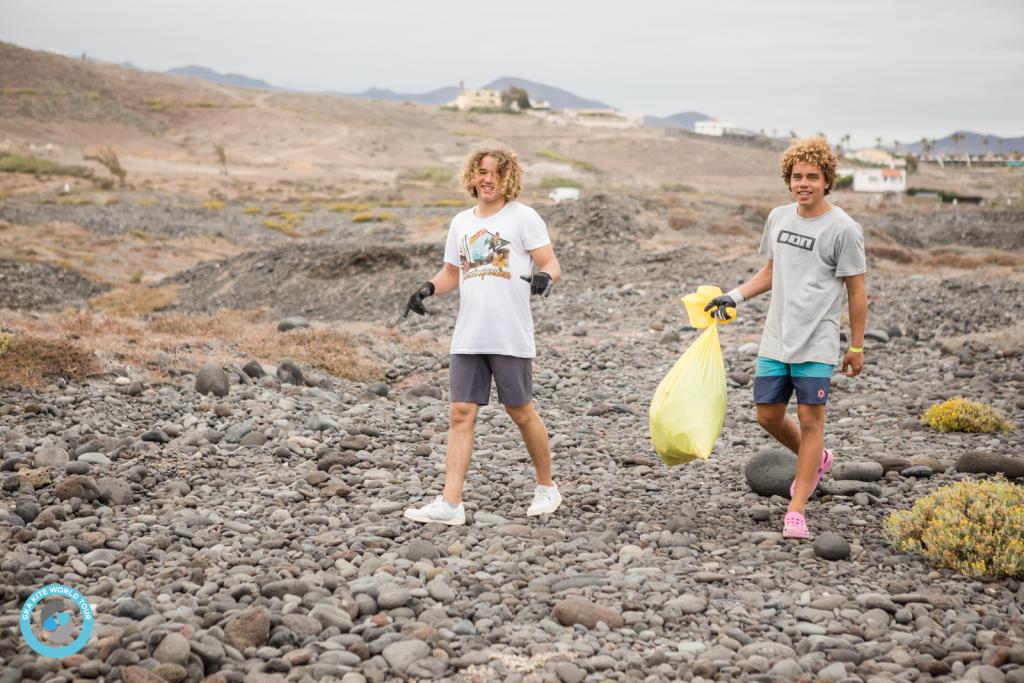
point(439, 96)
point(558, 98)
point(972, 143)
point(684, 119)
point(224, 79)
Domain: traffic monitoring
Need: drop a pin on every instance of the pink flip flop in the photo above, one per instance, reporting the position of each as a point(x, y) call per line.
point(795, 526)
point(827, 459)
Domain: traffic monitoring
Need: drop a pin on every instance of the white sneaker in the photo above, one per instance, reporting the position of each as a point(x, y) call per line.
point(545, 500)
point(438, 511)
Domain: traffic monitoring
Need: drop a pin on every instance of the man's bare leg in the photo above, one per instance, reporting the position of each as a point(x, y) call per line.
point(808, 457)
point(773, 418)
point(535, 434)
point(460, 449)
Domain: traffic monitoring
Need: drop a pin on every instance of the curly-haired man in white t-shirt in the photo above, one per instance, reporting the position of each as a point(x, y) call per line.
point(489, 257)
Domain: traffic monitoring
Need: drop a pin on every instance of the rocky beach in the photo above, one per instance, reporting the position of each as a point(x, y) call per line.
point(242, 521)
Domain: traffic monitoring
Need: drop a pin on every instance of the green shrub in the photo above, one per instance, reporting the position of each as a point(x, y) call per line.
point(551, 182)
point(558, 156)
point(676, 187)
point(371, 217)
point(429, 174)
point(22, 163)
point(961, 415)
point(348, 207)
point(843, 182)
point(448, 203)
point(973, 527)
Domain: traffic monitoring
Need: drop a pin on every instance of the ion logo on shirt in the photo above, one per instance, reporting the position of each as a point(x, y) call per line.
point(795, 240)
point(484, 253)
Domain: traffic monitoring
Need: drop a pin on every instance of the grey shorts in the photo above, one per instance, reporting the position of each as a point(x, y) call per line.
point(469, 378)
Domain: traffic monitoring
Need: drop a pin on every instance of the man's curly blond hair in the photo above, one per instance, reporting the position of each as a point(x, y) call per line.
point(510, 173)
point(810, 151)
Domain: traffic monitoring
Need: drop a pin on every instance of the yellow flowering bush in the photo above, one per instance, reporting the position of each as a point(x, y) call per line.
point(961, 415)
point(973, 527)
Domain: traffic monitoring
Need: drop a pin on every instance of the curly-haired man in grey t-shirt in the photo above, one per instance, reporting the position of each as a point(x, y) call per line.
point(814, 249)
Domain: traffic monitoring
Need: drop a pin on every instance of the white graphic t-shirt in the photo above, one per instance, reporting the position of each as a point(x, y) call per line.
point(494, 304)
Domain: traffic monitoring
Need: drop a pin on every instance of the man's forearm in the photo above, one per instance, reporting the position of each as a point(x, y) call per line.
point(858, 318)
point(445, 281)
point(552, 268)
point(759, 284)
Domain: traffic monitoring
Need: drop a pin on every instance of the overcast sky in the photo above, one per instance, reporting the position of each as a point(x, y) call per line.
point(899, 69)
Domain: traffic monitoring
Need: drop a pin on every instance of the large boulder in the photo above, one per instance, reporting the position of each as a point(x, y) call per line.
point(770, 472)
point(980, 462)
point(211, 379)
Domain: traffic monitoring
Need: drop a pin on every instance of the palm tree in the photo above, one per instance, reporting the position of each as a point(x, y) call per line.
point(984, 143)
point(878, 142)
point(896, 146)
point(957, 139)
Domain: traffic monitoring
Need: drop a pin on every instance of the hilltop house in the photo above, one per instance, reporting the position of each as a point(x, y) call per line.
point(481, 98)
point(598, 118)
point(880, 180)
point(712, 127)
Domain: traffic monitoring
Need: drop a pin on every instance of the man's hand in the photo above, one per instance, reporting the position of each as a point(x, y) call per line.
point(720, 304)
point(540, 283)
point(854, 361)
point(416, 300)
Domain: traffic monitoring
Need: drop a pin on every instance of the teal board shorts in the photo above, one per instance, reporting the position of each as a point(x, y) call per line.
point(775, 381)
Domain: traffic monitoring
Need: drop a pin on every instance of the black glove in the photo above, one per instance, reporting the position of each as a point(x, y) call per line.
point(720, 303)
point(416, 300)
point(540, 283)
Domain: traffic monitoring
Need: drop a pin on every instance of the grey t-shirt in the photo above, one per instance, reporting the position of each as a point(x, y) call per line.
point(811, 256)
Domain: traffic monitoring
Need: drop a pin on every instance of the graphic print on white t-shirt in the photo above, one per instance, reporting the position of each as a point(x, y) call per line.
point(484, 254)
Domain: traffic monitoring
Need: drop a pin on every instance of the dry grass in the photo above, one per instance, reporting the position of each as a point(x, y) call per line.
point(447, 203)
point(29, 361)
point(348, 207)
point(326, 349)
point(963, 258)
point(135, 299)
point(228, 337)
point(373, 217)
point(559, 157)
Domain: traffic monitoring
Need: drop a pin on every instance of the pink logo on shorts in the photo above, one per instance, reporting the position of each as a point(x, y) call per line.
point(821, 393)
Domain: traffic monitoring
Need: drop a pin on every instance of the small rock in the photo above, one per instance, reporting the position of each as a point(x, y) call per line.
point(579, 611)
point(831, 546)
point(289, 373)
point(248, 628)
point(173, 649)
point(859, 471)
point(296, 322)
point(420, 549)
point(918, 471)
point(51, 457)
point(403, 654)
point(254, 369)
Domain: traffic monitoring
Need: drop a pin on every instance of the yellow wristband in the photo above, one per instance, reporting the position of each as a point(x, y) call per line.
point(856, 349)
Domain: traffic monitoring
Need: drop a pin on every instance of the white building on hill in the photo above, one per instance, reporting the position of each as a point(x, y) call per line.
point(715, 128)
point(482, 98)
point(598, 118)
point(880, 180)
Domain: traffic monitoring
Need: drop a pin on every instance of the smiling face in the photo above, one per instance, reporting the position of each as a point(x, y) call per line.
point(807, 184)
point(488, 183)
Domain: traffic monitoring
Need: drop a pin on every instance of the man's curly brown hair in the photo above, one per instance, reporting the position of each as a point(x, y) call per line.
point(810, 151)
point(510, 173)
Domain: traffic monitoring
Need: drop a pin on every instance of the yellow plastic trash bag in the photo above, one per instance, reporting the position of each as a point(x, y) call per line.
point(688, 408)
point(695, 303)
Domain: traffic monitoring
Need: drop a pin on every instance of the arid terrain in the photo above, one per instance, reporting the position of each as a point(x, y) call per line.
point(257, 536)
